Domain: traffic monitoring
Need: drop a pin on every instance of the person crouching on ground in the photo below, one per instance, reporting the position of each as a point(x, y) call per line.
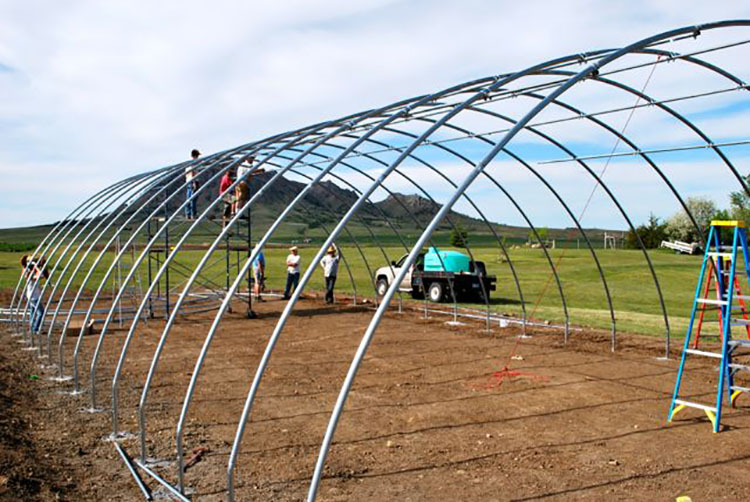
point(330, 264)
point(34, 271)
point(292, 272)
point(227, 196)
point(259, 274)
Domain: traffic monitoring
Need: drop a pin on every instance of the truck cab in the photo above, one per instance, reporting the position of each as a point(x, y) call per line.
point(441, 275)
point(384, 275)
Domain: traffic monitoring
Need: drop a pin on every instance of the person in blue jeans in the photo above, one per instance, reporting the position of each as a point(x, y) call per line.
point(34, 271)
point(259, 274)
point(330, 264)
point(191, 208)
point(292, 272)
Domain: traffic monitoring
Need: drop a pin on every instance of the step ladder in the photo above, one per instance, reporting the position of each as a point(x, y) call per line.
point(711, 279)
point(721, 263)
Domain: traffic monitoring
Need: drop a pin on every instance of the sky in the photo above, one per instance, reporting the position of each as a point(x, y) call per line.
point(92, 92)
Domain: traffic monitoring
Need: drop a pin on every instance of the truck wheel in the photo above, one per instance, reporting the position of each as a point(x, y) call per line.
point(381, 286)
point(435, 292)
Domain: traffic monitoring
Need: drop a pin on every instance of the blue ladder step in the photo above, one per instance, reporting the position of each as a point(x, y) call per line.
point(699, 406)
point(711, 301)
point(703, 353)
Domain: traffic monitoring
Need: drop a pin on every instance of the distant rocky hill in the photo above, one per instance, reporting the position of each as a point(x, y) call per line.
point(327, 202)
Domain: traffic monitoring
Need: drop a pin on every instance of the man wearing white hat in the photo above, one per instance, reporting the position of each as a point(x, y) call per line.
point(330, 264)
point(292, 272)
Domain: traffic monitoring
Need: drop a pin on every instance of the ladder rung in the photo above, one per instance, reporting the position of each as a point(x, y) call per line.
point(703, 353)
point(739, 367)
point(741, 343)
point(743, 389)
point(690, 404)
point(710, 301)
point(741, 297)
point(741, 322)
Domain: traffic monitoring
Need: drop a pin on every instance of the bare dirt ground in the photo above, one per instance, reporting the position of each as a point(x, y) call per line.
point(432, 416)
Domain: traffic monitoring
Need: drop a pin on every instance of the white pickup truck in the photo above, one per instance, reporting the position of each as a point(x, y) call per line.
point(441, 275)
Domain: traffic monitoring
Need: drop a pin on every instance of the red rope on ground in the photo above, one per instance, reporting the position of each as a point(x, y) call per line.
point(500, 376)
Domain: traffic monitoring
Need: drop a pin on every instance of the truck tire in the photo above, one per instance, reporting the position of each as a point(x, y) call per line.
point(435, 292)
point(381, 286)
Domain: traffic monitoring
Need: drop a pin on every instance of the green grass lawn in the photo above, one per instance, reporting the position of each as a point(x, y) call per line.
point(633, 292)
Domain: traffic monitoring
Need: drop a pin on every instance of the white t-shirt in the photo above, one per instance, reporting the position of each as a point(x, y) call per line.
point(33, 290)
point(242, 169)
point(330, 265)
point(189, 173)
point(292, 263)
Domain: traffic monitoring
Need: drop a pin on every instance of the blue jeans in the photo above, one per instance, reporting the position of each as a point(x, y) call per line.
point(192, 207)
point(37, 314)
point(330, 283)
point(292, 281)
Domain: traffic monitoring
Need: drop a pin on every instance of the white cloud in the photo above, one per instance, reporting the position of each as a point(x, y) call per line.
point(91, 92)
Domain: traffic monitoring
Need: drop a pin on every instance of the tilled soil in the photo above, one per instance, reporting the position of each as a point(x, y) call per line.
point(437, 412)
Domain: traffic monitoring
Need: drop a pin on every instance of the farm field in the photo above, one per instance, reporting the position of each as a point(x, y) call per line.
point(437, 412)
point(634, 295)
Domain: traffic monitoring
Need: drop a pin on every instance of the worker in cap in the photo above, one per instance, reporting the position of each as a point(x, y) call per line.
point(330, 264)
point(292, 272)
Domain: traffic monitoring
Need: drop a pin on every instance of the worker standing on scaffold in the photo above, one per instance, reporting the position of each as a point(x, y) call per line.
point(330, 264)
point(226, 196)
point(191, 209)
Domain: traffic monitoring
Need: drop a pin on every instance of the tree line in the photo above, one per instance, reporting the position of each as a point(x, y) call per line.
point(678, 227)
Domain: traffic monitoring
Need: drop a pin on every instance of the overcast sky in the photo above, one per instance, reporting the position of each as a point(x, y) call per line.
point(91, 92)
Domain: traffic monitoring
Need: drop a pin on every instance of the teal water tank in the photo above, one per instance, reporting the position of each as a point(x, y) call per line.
point(445, 261)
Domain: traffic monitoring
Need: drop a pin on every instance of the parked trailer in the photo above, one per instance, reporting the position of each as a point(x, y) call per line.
point(681, 247)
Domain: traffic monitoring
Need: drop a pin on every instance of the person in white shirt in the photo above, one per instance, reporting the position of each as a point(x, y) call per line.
point(292, 272)
point(330, 264)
